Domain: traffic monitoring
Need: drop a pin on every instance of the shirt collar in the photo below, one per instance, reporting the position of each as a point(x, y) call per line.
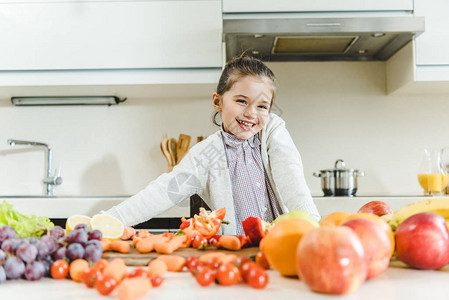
point(233, 141)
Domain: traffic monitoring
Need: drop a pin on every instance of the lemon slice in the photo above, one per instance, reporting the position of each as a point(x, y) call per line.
point(111, 227)
point(74, 220)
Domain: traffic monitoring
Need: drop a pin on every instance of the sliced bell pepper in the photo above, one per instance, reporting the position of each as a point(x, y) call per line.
point(255, 229)
point(204, 224)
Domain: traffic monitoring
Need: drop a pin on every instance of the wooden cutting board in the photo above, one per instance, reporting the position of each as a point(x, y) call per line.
point(134, 258)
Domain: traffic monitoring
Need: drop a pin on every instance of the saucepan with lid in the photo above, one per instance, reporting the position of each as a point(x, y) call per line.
point(339, 181)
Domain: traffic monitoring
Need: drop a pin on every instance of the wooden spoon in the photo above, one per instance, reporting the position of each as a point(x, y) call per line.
point(164, 148)
point(183, 146)
point(172, 145)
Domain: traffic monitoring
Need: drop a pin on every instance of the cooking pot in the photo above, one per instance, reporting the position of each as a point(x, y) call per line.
point(339, 181)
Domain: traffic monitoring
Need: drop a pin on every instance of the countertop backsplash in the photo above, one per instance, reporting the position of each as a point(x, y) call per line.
point(332, 109)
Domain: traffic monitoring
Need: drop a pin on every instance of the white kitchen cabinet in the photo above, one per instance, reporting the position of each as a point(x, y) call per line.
point(238, 6)
point(422, 67)
point(110, 35)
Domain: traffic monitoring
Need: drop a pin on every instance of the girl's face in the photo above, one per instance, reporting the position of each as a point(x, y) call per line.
point(244, 108)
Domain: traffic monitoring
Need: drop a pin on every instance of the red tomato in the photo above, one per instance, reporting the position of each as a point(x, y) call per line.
point(101, 264)
point(199, 242)
point(246, 268)
point(228, 274)
point(59, 269)
point(156, 280)
point(106, 284)
point(205, 276)
point(90, 276)
point(194, 265)
point(213, 263)
point(139, 272)
point(261, 260)
point(257, 278)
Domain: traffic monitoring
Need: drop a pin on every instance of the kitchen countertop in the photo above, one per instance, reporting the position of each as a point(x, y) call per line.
point(398, 282)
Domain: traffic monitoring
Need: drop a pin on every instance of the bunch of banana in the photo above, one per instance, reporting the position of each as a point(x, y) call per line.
point(437, 205)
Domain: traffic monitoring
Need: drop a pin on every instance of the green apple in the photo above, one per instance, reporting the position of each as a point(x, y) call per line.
point(297, 214)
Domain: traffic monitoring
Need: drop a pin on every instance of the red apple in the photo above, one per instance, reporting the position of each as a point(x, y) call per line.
point(379, 208)
point(331, 260)
point(422, 241)
point(376, 244)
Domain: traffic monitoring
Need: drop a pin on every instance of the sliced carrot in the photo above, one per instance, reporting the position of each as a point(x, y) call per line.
point(106, 243)
point(120, 246)
point(168, 247)
point(147, 244)
point(77, 268)
point(228, 258)
point(205, 257)
point(230, 242)
point(143, 233)
point(116, 268)
point(133, 288)
point(157, 267)
point(128, 233)
point(175, 263)
point(136, 239)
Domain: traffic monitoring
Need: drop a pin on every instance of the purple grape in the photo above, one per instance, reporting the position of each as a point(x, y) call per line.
point(8, 245)
point(2, 257)
point(47, 265)
point(6, 233)
point(14, 268)
point(95, 234)
point(57, 232)
point(32, 240)
point(75, 251)
point(2, 275)
point(26, 252)
point(34, 270)
point(96, 243)
point(60, 253)
point(93, 253)
point(82, 226)
point(77, 236)
point(51, 243)
point(42, 250)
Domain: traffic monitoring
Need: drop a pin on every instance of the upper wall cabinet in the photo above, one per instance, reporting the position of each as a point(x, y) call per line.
point(236, 6)
point(423, 65)
point(63, 35)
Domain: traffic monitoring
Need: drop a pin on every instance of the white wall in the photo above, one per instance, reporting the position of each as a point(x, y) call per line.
point(333, 110)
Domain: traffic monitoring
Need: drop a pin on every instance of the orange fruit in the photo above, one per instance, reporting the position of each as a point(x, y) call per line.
point(280, 244)
point(77, 268)
point(376, 219)
point(334, 219)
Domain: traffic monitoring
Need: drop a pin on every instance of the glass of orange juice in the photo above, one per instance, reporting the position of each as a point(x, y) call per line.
point(432, 176)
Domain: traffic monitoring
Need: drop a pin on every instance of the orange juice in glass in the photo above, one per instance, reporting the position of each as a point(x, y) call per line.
point(432, 177)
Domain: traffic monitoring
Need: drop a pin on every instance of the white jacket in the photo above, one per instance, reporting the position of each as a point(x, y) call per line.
point(204, 171)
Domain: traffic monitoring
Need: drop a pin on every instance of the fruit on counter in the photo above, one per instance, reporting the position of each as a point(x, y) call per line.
point(116, 268)
point(24, 225)
point(422, 241)
point(379, 208)
point(111, 227)
point(175, 263)
point(157, 267)
point(280, 244)
point(76, 269)
point(59, 269)
point(437, 205)
point(376, 245)
point(204, 224)
point(74, 220)
point(106, 284)
point(296, 214)
point(261, 260)
point(334, 219)
point(133, 288)
point(255, 229)
point(379, 221)
point(331, 260)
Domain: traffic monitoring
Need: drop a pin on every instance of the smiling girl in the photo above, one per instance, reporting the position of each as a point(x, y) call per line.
point(251, 166)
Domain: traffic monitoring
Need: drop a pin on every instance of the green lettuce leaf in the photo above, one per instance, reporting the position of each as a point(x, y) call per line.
point(25, 225)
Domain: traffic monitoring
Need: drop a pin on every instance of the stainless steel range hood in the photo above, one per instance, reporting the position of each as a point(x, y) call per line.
point(319, 39)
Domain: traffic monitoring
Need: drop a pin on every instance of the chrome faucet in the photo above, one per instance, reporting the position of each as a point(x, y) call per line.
point(50, 180)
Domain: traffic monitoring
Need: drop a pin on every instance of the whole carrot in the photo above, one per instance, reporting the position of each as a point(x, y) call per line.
point(230, 242)
point(106, 243)
point(175, 263)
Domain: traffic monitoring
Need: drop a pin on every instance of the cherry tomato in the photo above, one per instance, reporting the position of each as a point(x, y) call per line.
point(199, 242)
point(228, 274)
point(194, 265)
point(257, 278)
point(139, 272)
point(106, 284)
point(101, 264)
point(155, 280)
point(261, 260)
point(59, 269)
point(245, 268)
point(241, 260)
point(90, 276)
point(214, 241)
point(213, 263)
point(205, 276)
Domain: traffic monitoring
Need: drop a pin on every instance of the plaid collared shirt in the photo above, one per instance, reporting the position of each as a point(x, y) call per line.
point(251, 190)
